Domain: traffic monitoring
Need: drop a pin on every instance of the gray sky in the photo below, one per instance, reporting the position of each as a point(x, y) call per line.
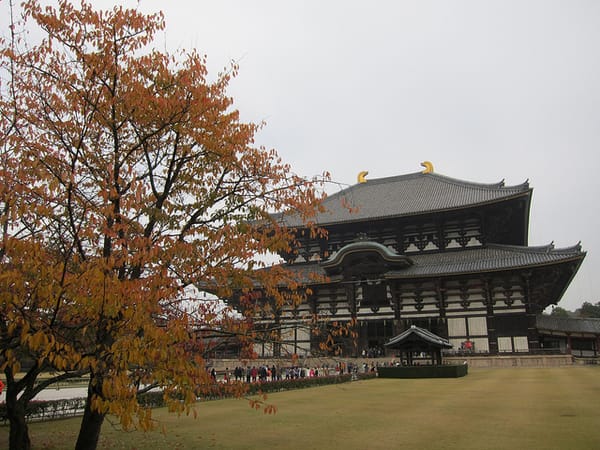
point(485, 90)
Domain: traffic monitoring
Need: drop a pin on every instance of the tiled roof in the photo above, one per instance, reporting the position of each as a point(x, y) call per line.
point(568, 324)
point(472, 260)
point(493, 257)
point(421, 334)
point(406, 195)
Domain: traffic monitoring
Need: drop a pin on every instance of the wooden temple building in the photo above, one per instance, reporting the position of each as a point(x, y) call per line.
point(425, 250)
point(579, 337)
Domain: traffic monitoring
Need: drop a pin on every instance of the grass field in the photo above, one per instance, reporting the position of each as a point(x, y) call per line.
point(518, 408)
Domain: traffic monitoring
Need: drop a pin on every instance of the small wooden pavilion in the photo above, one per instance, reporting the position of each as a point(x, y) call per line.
point(419, 340)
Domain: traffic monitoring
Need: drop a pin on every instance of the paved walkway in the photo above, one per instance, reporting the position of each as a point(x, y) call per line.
point(56, 394)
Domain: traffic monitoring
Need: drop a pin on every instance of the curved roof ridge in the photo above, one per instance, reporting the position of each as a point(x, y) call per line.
point(441, 177)
point(366, 243)
point(546, 248)
point(421, 333)
point(474, 184)
point(391, 256)
point(500, 185)
point(382, 180)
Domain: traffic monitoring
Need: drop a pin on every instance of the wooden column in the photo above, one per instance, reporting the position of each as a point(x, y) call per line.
point(491, 325)
point(351, 299)
point(396, 305)
point(533, 339)
point(441, 303)
point(312, 301)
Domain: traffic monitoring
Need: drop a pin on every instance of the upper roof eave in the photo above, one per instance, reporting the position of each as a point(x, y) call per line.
point(422, 213)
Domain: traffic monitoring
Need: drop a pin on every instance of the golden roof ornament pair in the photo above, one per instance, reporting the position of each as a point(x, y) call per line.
point(428, 169)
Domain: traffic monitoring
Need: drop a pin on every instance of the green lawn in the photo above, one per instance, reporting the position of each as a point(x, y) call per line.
point(557, 408)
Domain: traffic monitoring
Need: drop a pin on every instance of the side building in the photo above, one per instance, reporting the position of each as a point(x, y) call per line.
point(422, 249)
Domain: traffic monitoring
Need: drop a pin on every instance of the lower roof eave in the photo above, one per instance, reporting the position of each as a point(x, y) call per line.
point(420, 276)
point(456, 273)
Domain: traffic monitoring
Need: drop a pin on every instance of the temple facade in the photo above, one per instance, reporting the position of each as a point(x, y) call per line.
point(446, 255)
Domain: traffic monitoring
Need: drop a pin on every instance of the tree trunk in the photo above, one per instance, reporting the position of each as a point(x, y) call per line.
point(89, 433)
point(19, 432)
point(91, 424)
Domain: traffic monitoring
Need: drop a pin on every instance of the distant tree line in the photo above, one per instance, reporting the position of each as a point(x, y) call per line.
point(586, 310)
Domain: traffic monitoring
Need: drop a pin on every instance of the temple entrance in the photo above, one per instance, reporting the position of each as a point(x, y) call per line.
point(372, 337)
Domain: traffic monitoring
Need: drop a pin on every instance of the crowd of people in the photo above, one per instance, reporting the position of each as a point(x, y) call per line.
point(264, 373)
point(373, 352)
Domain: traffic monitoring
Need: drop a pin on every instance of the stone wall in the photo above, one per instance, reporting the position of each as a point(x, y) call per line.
point(514, 361)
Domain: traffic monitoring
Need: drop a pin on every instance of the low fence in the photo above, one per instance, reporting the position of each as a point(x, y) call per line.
point(39, 410)
point(586, 360)
point(512, 361)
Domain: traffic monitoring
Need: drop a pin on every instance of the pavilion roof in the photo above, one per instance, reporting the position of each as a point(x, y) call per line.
point(415, 337)
point(407, 195)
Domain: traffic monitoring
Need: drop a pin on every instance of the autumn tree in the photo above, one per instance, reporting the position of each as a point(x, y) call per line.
point(128, 183)
point(30, 276)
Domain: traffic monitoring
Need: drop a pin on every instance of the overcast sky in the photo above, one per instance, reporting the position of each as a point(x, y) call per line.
point(485, 90)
